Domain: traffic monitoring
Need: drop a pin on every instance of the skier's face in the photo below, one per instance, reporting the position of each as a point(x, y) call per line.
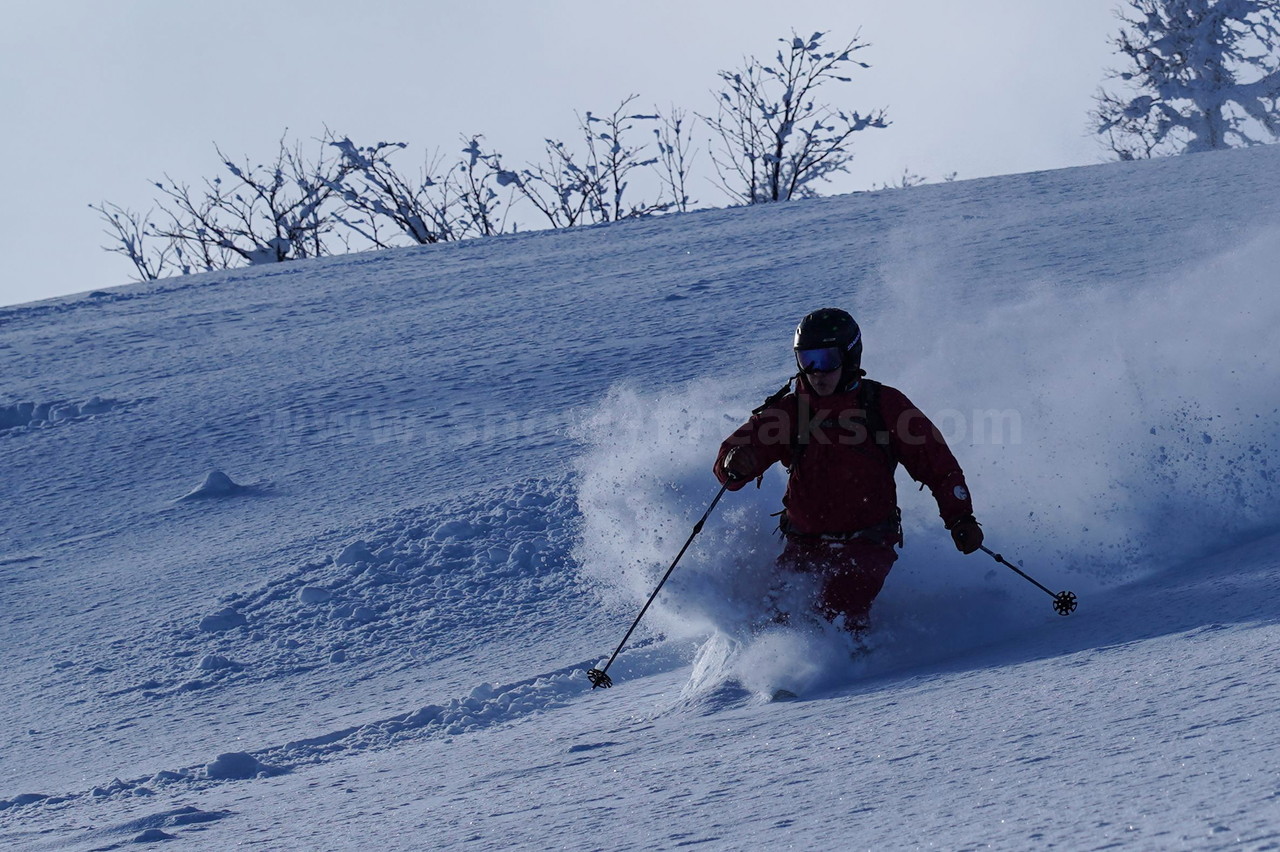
point(825, 384)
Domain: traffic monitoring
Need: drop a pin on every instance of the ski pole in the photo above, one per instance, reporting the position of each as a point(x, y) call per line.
point(600, 677)
point(1064, 603)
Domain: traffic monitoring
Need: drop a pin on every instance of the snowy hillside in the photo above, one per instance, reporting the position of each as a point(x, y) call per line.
point(448, 477)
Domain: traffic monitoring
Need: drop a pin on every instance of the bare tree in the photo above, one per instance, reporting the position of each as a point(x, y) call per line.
point(775, 141)
point(611, 159)
point(590, 185)
point(131, 236)
point(909, 179)
point(1201, 75)
point(556, 188)
point(265, 214)
point(424, 210)
point(676, 155)
point(481, 205)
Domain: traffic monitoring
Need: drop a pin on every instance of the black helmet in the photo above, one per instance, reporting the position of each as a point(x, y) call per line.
point(829, 337)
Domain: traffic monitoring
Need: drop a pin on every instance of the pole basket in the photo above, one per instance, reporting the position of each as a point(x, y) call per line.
point(599, 679)
point(1064, 603)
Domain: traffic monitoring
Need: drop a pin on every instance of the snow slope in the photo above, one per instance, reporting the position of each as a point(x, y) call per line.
point(448, 477)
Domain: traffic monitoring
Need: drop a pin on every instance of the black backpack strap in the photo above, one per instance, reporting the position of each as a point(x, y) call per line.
point(772, 400)
point(877, 429)
point(797, 448)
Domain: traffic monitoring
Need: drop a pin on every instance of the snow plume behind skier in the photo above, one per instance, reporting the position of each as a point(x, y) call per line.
point(1129, 404)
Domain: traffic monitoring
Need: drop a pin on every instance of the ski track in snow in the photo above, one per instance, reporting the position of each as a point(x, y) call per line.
point(415, 590)
point(21, 417)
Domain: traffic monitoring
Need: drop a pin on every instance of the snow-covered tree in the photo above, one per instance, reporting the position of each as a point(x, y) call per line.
point(908, 179)
point(774, 141)
point(484, 212)
point(610, 160)
point(675, 157)
point(425, 210)
point(131, 237)
point(590, 184)
point(269, 213)
point(1201, 75)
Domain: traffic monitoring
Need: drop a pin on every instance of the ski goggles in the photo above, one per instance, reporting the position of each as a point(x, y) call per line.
point(819, 360)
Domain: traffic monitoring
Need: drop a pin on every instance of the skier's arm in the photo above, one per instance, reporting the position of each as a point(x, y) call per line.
point(925, 454)
point(756, 444)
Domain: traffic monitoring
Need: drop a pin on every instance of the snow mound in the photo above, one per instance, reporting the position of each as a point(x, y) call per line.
point(354, 554)
point(225, 619)
point(23, 799)
point(487, 705)
point(237, 766)
point(216, 484)
point(217, 662)
point(314, 595)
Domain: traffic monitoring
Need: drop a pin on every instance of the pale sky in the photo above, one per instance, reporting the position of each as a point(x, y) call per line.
point(100, 98)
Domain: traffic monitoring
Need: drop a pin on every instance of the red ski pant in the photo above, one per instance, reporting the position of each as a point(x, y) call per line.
point(850, 573)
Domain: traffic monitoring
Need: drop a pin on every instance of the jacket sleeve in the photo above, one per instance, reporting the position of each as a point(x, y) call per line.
point(768, 434)
point(925, 454)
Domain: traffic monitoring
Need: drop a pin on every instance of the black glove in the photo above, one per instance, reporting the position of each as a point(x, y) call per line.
point(739, 464)
point(966, 533)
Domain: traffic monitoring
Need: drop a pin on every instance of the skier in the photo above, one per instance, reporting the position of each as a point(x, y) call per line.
point(841, 437)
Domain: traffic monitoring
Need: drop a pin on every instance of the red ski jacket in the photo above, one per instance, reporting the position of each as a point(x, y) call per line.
point(841, 476)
